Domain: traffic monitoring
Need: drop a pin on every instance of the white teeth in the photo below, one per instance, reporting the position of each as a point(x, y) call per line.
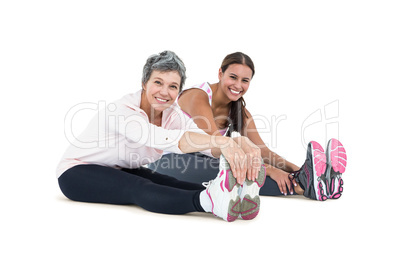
point(234, 91)
point(162, 100)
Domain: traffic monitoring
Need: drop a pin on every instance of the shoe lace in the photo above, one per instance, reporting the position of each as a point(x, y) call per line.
point(294, 176)
point(207, 184)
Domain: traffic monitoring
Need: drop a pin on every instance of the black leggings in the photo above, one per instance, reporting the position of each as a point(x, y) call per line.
point(150, 190)
point(197, 168)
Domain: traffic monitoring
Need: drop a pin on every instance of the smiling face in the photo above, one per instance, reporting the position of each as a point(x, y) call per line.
point(235, 80)
point(161, 90)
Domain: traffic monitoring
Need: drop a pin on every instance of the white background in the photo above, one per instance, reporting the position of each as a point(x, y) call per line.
point(343, 55)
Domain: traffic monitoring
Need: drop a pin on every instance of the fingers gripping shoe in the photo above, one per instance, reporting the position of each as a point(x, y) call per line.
point(336, 165)
point(224, 193)
point(250, 199)
point(311, 176)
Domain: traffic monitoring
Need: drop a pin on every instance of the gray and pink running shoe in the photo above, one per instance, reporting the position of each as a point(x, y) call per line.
point(229, 199)
point(321, 174)
point(224, 193)
point(311, 176)
point(336, 165)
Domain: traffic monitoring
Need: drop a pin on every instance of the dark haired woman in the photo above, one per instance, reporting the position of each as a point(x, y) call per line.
point(219, 109)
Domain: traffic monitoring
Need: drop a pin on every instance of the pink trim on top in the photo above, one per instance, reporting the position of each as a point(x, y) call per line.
point(189, 116)
point(223, 131)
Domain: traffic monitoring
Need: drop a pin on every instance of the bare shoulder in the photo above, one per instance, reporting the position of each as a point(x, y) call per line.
point(248, 114)
point(193, 96)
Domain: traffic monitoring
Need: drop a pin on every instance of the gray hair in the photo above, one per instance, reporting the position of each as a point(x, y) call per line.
point(164, 62)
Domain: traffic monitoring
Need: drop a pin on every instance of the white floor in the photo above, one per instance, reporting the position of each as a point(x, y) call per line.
point(50, 230)
point(323, 69)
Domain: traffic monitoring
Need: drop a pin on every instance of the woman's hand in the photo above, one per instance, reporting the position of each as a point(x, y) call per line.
point(281, 178)
point(253, 153)
point(237, 160)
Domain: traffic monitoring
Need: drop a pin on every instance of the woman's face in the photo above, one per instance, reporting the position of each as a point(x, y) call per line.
point(235, 80)
point(162, 89)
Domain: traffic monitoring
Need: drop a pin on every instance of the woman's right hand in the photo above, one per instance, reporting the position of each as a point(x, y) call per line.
point(237, 160)
point(281, 178)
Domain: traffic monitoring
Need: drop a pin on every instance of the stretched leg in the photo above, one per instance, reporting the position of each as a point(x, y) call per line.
point(163, 179)
point(99, 184)
point(194, 167)
point(270, 188)
point(198, 168)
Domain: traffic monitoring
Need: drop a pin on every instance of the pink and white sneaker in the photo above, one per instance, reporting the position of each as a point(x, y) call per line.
point(336, 165)
point(250, 199)
point(224, 193)
point(311, 176)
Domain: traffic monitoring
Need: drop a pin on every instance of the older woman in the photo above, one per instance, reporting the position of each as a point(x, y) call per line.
point(105, 164)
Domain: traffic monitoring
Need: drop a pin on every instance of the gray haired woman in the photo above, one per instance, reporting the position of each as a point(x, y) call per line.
point(135, 131)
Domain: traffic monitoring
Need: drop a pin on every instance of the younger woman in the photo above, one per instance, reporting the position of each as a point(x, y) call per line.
point(219, 109)
point(104, 165)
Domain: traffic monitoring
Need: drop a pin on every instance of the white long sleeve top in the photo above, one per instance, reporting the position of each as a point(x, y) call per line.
point(121, 136)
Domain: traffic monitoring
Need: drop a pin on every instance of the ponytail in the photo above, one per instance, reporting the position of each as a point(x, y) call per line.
point(237, 116)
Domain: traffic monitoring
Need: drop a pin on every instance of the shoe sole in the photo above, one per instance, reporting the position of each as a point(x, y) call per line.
point(250, 204)
point(230, 183)
point(336, 160)
point(319, 162)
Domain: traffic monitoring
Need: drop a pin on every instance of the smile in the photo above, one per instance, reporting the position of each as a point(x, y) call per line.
point(161, 100)
point(235, 92)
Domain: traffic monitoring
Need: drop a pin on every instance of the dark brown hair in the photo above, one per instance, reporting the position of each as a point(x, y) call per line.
point(237, 113)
